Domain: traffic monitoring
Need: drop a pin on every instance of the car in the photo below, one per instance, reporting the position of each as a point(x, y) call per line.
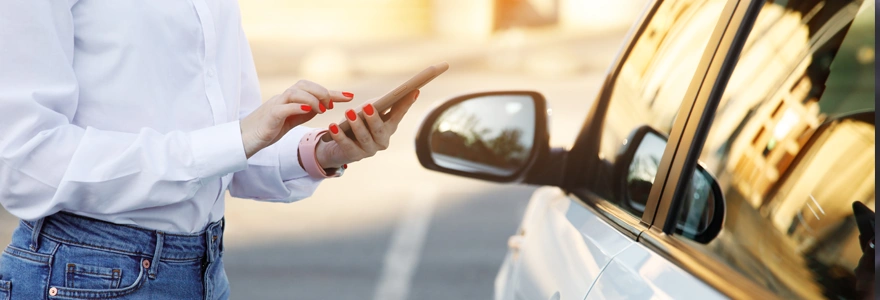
point(724, 157)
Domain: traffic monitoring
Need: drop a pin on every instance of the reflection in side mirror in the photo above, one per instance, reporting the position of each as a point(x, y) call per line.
point(698, 208)
point(491, 136)
point(703, 206)
point(643, 168)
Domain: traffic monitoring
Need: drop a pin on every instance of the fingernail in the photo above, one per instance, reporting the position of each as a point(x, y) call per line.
point(345, 166)
point(369, 109)
point(333, 128)
point(321, 106)
point(348, 95)
point(306, 107)
point(351, 115)
point(331, 105)
point(417, 94)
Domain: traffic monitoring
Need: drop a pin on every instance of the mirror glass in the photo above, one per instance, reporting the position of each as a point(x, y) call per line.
point(699, 204)
point(491, 134)
point(698, 208)
point(643, 168)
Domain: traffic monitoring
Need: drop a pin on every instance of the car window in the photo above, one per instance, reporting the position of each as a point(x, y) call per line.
point(653, 80)
point(792, 147)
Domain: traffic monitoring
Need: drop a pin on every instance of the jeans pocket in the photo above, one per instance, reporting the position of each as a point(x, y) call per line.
point(99, 293)
point(28, 271)
point(80, 276)
point(90, 273)
point(5, 290)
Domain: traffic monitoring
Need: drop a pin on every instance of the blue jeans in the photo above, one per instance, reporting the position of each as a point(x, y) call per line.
point(65, 256)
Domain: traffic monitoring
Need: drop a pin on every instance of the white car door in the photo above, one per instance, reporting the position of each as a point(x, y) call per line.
point(639, 273)
point(560, 250)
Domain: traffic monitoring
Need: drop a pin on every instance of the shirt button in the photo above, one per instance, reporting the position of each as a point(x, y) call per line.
point(211, 72)
point(53, 291)
point(146, 264)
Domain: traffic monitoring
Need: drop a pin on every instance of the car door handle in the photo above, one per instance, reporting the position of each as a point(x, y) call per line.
point(515, 242)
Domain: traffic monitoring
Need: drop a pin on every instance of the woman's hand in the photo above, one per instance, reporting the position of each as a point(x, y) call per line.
point(371, 132)
point(274, 118)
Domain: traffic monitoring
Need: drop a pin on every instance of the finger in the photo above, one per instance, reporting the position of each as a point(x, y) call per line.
point(291, 109)
point(351, 150)
point(318, 91)
point(361, 133)
point(399, 109)
point(338, 96)
point(377, 126)
point(303, 97)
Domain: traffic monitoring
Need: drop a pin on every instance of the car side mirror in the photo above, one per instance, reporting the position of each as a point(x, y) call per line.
point(494, 136)
point(636, 167)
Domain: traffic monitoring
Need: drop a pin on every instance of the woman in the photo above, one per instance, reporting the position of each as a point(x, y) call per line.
point(123, 123)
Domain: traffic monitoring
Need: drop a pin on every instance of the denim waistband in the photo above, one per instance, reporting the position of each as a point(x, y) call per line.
point(68, 228)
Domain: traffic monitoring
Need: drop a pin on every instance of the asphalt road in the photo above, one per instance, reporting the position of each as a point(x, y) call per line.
point(336, 244)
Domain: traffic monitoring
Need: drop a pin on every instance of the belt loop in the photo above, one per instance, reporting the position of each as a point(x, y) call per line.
point(209, 243)
point(222, 232)
point(154, 267)
point(35, 235)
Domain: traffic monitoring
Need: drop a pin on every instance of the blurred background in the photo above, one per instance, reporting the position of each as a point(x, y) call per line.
point(390, 229)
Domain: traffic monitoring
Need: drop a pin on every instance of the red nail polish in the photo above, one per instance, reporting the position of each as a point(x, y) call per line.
point(351, 115)
point(345, 166)
point(306, 107)
point(369, 109)
point(333, 128)
point(348, 95)
point(321, 106)
point(331, 105)
point(417, 94)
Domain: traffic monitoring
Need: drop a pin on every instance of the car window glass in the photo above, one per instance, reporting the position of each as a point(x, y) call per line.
point(792, 147)
point(653, 80)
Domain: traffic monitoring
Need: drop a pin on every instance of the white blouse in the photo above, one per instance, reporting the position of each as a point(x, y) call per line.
point(127, 111)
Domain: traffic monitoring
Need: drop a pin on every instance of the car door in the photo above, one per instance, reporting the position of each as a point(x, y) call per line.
point(568, 236)
point(786, 126)
point(560, 249)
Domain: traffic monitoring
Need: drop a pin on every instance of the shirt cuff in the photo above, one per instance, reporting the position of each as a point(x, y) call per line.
point(218, 150)
point(288, 154)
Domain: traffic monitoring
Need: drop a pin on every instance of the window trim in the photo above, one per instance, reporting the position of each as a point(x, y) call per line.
point(617, 217)
point(671, 180)
point(691, 134)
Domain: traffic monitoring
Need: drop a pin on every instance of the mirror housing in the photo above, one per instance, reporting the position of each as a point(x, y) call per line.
point(635, 167)
point(514, 169)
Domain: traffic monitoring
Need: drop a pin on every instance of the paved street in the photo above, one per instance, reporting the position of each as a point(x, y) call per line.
point(336, 244)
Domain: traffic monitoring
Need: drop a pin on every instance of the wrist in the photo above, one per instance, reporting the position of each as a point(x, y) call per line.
point(250, 148)
point(324, 155)
point(309, 156)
